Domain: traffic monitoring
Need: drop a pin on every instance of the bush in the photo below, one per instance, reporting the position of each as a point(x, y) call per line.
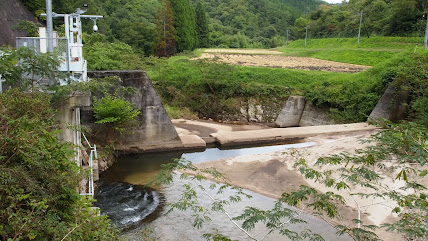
point(38, 197)
point(116, 114)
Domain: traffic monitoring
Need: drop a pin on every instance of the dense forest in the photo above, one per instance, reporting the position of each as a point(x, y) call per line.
point(239, 23)
point(230, 23)
point(380, 17)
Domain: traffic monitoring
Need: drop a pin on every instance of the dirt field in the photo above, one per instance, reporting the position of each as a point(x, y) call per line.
point(268, 58)
point(243, 51)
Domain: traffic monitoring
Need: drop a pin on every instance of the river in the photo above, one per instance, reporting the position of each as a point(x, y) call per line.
point(131, 206)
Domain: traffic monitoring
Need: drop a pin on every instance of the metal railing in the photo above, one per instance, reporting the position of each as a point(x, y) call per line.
point(92, 155)
point(40, 45)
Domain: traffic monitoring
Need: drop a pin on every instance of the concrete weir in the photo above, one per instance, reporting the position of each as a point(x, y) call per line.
point(284, 134)
point(155, 131)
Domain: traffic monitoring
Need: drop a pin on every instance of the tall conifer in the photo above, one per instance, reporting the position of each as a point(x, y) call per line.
point(202, 25)
point(165, 41)
point(185, 24)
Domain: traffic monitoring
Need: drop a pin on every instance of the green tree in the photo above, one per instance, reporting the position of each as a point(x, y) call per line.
point(185, 24)
point(165, 40)
point(30, 27)
point(32, 68)
point(202, 25)
point(111, 56)
point(299, 27)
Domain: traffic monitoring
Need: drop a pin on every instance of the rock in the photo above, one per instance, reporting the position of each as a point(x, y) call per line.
point(292, 112)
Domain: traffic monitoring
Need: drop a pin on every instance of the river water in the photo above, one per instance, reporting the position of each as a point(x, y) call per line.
point(130, 205)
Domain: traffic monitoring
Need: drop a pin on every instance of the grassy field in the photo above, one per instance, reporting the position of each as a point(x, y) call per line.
point(371, 51)
point(209, 88)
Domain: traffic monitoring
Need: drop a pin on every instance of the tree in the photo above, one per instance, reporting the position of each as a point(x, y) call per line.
point(165, 40)
point(108, 56)
point(185, 24)
point(32, 68)
point(38, 179)
point(202, 25)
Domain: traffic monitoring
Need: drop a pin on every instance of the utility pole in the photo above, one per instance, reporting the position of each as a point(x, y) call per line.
point(359, 30)
point(286, 41)
point(426, 32)
point(49, 25)
point(306, 36)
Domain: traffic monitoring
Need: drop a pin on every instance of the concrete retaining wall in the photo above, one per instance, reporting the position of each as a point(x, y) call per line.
point(299, 112)
point(155, 126)
point(314, 116)
point(392, 106)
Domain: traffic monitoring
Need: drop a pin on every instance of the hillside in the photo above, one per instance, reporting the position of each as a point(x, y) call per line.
point(232, 23)
point(11, 11)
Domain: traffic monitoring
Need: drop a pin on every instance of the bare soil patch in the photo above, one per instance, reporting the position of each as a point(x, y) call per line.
point(243, 51)
point(281, 61)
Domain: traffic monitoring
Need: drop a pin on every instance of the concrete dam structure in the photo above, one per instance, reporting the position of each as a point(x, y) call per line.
point(155, 128)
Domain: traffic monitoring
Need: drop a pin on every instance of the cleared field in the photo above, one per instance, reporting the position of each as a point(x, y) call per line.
point(243, 51)
point(281, 61)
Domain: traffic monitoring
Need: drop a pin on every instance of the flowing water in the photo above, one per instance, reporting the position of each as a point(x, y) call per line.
point(121, 195)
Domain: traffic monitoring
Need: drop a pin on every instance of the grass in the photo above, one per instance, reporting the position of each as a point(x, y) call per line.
point(198, 84)
point(372, 51)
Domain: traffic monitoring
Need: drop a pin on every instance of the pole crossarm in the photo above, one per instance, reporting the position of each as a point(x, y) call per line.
point(61, 15)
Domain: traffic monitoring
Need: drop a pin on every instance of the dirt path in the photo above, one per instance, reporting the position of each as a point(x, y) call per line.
point(274, 60)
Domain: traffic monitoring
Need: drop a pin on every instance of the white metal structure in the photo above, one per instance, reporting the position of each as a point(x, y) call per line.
point(74, 62)
point(92, 155)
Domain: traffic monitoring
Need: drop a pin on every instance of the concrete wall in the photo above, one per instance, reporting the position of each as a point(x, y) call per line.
point(392, 106)
point(314, 116)
point(299, 112)
point(11, 11)
point(155, 126)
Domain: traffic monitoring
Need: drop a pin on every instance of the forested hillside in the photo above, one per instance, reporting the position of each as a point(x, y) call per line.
point(231, 23)
point(380, 17)
point(239, 23)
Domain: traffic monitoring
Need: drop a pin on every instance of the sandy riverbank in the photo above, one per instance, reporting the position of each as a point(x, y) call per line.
point(272, 174)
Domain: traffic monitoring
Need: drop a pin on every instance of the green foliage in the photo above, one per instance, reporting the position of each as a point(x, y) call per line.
point(165, 41)
point(276, 219)
point(177, 112)
point(399, 148)
point(111, 56)
point(33, 67)
point(202, 25)
point(411, 77)
point(30, 27)
point(185, 24)
point(114, 112)
point(38, 198)
point(216, 90)
point(381, 17)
